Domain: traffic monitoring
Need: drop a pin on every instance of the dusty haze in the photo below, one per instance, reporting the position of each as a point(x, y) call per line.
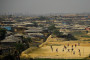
point(44, 6)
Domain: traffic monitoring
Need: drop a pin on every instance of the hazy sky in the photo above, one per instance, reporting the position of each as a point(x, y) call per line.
point(44, 6)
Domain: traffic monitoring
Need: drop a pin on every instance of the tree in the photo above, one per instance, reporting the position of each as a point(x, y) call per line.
point(51, 28)
point(41, 25)
point(19, 47)
point(35, 24)
point(2, 33)
point(70, 37)
point(43, 18)
point(57, 33)
point(28, 39)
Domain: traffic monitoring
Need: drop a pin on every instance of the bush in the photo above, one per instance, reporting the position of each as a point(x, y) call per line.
point(70, 37)
point(51, 28)
point(20, 47)
point(57, 33)
point(2, 33)
point(26, 40)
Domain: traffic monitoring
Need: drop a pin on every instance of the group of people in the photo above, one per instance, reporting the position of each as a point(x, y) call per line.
point(66, 48)
point(72, 48)
point(52, 49)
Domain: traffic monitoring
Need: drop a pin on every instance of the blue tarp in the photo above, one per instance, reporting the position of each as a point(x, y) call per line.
point(8, 28)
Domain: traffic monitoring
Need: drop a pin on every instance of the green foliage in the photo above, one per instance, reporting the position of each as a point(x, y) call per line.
point(87, 40)
point(35, 24)
point(41, 25)
point(2, 33)
point(86, 36)
point(78, 33)
point(20, 47)
point(43, 18)
point(60, 34)
point(27, 40)
point(70, 37)
point(57, 33)
point(52, 27)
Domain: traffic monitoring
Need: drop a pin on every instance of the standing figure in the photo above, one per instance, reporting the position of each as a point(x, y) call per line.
point(75, 45)
point(68, 50)
point(72, 46)
point(79, 52)
point(51, 48)
point(78, 44)
point(57, 50)
point(65, 47)
point(68, 45)
point(72, 49)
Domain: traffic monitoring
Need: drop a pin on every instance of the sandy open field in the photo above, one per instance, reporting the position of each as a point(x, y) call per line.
point(56, 51)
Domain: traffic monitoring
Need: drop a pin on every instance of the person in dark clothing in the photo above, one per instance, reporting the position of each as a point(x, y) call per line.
point(75, 45)
point(79, 52)
point(51, 48)
point(68, 50)
point(57, 50)
point(72, 49)
point(65, 47)
point(72, 46)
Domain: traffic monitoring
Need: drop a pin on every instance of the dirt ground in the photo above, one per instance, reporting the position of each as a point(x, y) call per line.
point(55, 49)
